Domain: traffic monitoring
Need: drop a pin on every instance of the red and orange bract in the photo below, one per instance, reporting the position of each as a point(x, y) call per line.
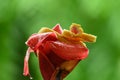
point(58, 51)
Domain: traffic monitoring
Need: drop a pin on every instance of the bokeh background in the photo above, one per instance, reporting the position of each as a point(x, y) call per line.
point(20, 18)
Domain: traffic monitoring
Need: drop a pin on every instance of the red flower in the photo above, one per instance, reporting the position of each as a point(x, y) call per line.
point(58, 51)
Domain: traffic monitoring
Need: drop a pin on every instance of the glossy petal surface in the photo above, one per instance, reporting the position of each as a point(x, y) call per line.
point(58, 51)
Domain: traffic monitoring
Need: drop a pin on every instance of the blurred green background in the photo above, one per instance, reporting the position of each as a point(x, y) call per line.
point(20, 18)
